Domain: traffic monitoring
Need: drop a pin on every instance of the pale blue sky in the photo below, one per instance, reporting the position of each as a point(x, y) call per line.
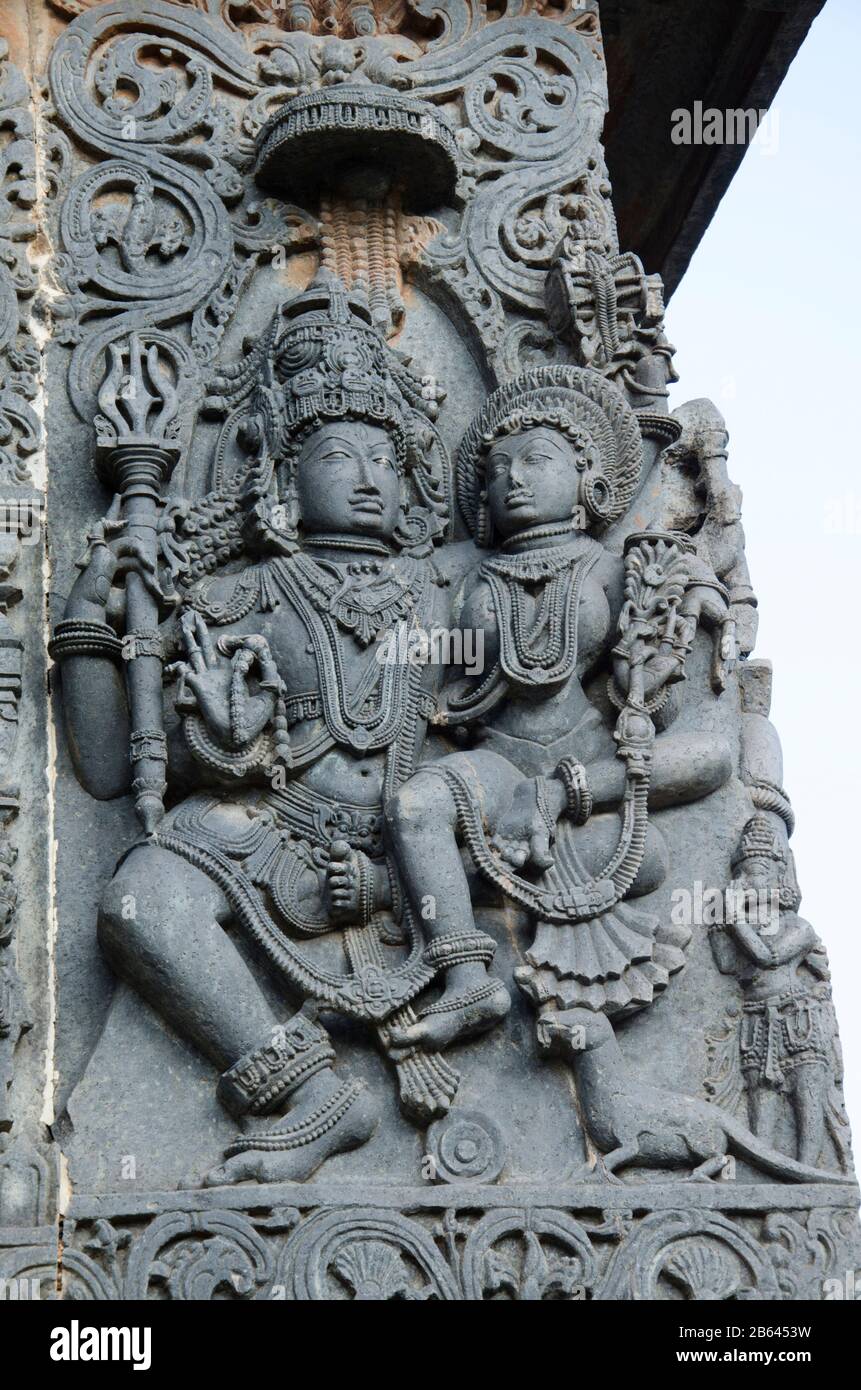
point(766, 323)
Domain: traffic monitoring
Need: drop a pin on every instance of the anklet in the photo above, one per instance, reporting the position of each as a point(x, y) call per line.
point(463, 1000)
point(457, 948)
point(265, 1077)
point(324, 1118)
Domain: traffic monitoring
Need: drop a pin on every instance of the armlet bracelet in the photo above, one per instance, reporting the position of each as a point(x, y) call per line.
point(77, 637)
point(572, 775)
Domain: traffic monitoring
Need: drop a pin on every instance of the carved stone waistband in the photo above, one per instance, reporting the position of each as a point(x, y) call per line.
point(322, 820)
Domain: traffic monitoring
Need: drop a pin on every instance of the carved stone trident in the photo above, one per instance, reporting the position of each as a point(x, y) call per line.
point(137, 449)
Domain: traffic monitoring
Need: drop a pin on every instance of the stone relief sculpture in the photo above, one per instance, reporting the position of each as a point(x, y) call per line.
point(352, 368)
point(786, 1037)
point(549, 447)
point(328, 735)
point(23, 974)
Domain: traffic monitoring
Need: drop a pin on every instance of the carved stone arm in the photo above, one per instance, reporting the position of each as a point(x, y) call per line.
point(788, 944)
point(93, 690)
point(724, 950)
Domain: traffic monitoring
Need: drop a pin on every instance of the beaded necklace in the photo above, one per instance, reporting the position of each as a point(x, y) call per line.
point(541, 650)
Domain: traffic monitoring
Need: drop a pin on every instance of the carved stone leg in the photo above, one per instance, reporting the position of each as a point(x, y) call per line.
point(422, 825)
point(709, 1168)
point(291, 1066)
point(764, 1106)
point(809, 1095)
point(421, 820)
point(686, 767)
point(617, 1158)
point(161, 927)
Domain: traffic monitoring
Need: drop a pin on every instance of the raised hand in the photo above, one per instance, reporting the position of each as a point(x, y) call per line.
point(99, 591)
point(215, 681)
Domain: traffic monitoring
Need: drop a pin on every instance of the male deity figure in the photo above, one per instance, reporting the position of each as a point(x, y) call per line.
point(289, 732)
point(553, 458)
point(787, 1039)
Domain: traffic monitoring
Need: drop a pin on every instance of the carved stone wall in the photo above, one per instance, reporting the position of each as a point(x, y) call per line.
point(396, 897)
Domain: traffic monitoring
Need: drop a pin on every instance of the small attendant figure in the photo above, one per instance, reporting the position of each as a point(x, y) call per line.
point(787, 1038)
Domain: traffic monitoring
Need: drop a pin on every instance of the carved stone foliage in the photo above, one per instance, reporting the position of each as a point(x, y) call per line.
point(19, 358)
point(167, 226)
point(508, 1254)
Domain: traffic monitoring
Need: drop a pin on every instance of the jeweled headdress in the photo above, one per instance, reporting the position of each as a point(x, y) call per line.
point(582, 405)
point(759, 840)
point(320, 360)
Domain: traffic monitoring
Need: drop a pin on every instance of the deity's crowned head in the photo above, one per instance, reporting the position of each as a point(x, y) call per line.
point(764, 862)
point(348, 480)
point(337, 428)
point(557, 445)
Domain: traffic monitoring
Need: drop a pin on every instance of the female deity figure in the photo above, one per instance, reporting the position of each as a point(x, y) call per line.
point(787, 1039)
point(549, 800)
point(286, 736)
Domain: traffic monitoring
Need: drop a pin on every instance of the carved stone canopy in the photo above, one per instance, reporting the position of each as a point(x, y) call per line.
point(361, 141)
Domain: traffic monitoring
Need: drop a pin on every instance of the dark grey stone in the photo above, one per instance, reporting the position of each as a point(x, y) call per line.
point(426, 923)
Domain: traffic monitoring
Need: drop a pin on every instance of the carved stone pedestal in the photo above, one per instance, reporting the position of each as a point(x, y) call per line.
point(745, 1241)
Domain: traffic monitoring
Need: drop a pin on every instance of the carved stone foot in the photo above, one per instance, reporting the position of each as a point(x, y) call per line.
point(561, 1032)
point(597, 1172)
point(292, 1148)
point(349, 880)
point(460, 1013)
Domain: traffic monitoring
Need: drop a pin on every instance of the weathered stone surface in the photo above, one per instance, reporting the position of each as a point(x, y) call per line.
point(421, 917)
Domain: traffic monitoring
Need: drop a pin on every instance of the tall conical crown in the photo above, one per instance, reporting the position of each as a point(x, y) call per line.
point(322, 359)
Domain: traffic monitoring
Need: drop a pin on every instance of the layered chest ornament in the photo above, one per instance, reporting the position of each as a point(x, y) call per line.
point(364, 598)
point(536, 601)
point(366, 702)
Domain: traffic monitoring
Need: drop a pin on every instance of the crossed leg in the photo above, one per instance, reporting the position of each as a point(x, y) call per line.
point(764, 1105)
point(162, 928)
point(809, 1093)
point(422, 826)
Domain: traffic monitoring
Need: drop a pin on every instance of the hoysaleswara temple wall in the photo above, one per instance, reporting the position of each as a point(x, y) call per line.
point(378, 690)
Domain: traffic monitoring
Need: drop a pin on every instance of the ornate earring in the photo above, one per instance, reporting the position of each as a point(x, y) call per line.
point(273, 525)
point(286, 515)
point(483, 528)
point(599, 496)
